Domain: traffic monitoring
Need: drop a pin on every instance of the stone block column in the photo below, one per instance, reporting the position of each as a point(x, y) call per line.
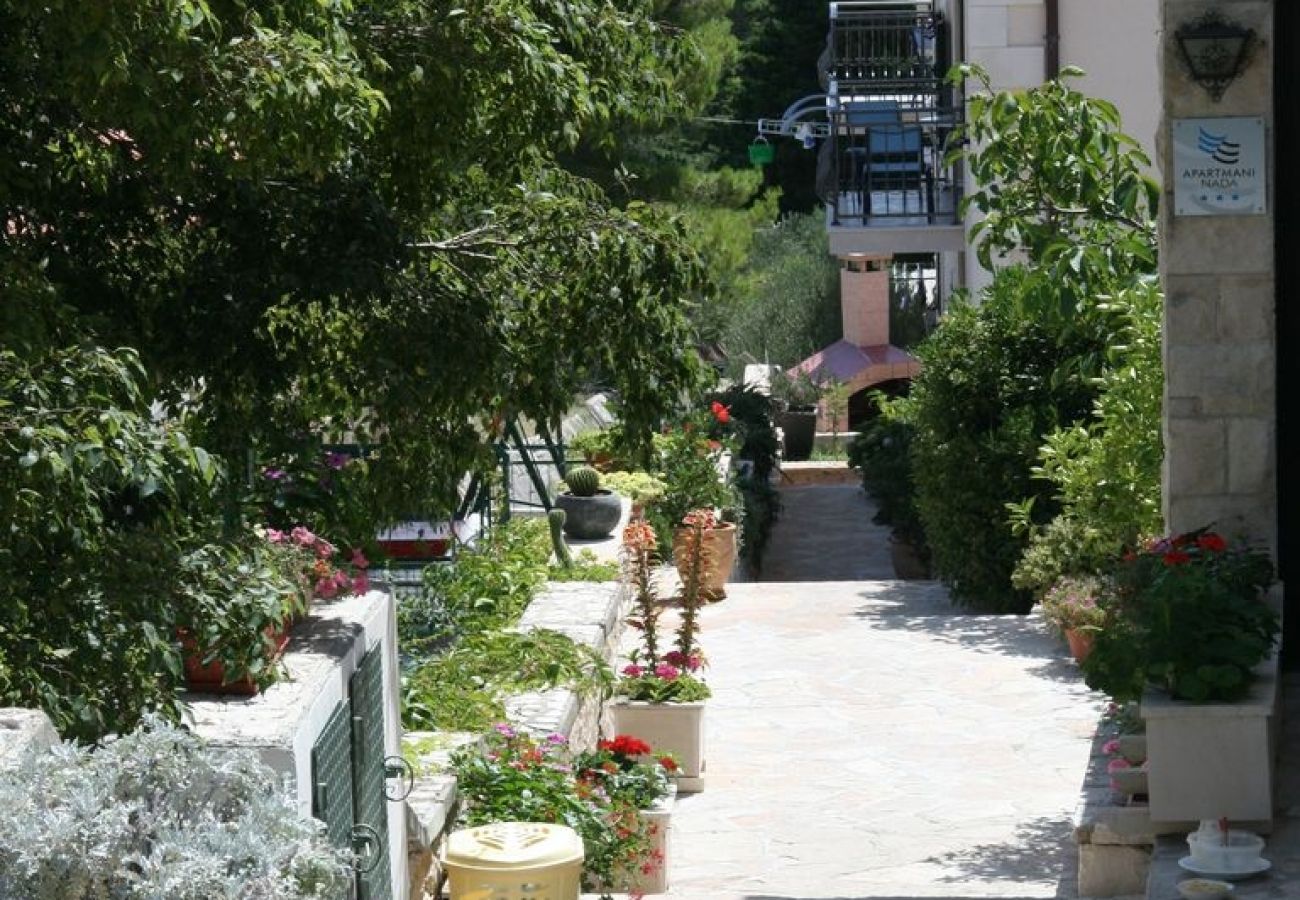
point(1220, 344)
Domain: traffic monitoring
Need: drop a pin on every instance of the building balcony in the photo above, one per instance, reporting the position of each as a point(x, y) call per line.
point(880, 47)
point(884, 174)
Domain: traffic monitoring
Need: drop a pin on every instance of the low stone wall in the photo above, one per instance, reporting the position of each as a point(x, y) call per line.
point(23, 732)
point(591, 613)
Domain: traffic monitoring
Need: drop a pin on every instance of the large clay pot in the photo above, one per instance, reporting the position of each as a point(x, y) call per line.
point(590, 518)
point(799, 429)
point(909, 565)
point(719, 558)
point(1080, 644)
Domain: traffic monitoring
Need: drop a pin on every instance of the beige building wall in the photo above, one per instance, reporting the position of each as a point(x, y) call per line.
point(1115, 42)
point(1220, 343)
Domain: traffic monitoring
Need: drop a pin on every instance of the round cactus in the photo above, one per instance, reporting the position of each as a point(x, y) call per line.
point(583, 481)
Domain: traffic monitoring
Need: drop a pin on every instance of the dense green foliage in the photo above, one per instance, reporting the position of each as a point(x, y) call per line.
point(1188, 616)
point(882, 454)
point(461, 653)
point(112, 543)
point(989, 389)
point(1063, 191)
point(792, 296)
point(1106, 470)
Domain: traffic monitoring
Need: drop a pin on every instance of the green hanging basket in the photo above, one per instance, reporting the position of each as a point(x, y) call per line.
point(761, 152)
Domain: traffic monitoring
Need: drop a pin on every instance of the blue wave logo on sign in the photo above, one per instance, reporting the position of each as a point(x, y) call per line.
point(1218, 147)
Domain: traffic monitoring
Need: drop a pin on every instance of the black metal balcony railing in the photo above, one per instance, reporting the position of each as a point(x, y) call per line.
point(885, 163)
point(887, 47)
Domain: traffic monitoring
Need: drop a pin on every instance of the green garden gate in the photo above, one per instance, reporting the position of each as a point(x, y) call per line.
point(348, 778)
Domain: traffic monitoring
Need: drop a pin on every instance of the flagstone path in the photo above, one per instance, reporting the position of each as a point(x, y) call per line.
point(865, 740)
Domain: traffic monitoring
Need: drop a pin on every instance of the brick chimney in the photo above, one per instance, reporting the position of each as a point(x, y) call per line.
point(864, 299)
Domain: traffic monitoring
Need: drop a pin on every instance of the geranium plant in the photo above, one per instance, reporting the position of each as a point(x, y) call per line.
point(657, 673)
point(1071, 604)
point(1188, 615)
point(514, 777)
point(628, 770)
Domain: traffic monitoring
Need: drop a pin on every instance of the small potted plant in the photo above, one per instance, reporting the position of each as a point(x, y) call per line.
point(629, 771)
point(1187, 616)
point(591, 511)
point(1071, 608)
point(512, 776)
point(660, 695)
point(798, 393)
point(1189, 630)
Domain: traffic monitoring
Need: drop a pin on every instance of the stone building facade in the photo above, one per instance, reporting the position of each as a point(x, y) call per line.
point(1220, 354)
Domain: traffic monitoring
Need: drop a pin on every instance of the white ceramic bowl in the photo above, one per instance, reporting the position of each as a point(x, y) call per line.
point(1239, 854)
point(1203, 889)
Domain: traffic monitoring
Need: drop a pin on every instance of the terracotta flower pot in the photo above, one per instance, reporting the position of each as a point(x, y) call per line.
point(718, 558)
point(211, 678)
point(1080, 643)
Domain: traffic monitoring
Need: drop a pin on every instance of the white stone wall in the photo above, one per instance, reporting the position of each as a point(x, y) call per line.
point(1220, 342)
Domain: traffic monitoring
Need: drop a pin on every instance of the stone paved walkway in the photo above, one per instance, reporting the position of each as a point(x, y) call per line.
point(865, 741)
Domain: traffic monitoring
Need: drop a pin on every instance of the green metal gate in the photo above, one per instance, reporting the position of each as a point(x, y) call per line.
point(348, 778)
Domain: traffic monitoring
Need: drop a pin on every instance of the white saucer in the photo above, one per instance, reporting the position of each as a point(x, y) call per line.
point(1256, 866)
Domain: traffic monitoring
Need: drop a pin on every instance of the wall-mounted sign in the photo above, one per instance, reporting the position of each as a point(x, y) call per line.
point(1219, 167)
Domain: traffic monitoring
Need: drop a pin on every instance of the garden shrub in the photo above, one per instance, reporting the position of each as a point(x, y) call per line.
point(156, 814)
point(882, 454)
point(112, 541)
point(991, 386)
point(751, 419)
point(1106, 471)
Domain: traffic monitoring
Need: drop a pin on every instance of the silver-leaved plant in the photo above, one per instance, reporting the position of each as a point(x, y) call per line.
point(156, 815)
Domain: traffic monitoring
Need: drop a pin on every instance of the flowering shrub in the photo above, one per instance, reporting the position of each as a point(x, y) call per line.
point(309, 560)
point(628, 770)
point(515, 777)
point(688, 458)
point(1188, 616)
point(157, 814)
point(1071, 604)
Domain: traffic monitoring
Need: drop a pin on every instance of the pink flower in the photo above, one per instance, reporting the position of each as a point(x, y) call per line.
point(1117, 765)
point(632, 670)
point(359, 559)
point(302, 536)
point(361, 583)
point(667, 672)
point(275, 535)
point(326, 588)
point(682, 661)
point(1111, 747)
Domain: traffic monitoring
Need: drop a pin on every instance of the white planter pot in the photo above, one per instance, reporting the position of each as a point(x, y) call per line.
point(677, 728)
point(659, 819)
point(1213, 760)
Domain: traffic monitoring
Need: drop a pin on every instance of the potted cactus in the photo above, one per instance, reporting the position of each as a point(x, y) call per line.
point(590, 511)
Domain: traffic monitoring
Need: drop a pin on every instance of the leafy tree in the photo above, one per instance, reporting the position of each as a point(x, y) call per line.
point(791, 303)
point(319, 217)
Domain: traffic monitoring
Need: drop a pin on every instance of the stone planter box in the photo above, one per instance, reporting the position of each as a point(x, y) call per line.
point(1212, 760)
point(677, 728)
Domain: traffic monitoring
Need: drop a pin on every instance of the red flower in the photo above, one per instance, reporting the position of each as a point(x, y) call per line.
point(668, 763)
point(1176, 558)
point(1212, 543)
point(721, 413)
point(625, 745)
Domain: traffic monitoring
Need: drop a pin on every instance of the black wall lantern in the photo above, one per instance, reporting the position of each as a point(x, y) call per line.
point(1215, 50)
